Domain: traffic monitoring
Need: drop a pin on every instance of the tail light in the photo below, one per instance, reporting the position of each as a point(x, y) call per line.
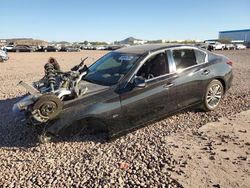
point(229, 62)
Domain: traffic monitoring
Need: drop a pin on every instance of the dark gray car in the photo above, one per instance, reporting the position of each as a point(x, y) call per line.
point(127, 88)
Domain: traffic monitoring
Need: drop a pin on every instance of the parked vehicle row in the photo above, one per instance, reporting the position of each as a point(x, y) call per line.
point(214, 45)
point(108, 47)
point(208, 45)
point(50, 48)
point(27, 48)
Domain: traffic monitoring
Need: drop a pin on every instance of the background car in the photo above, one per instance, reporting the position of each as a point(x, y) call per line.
point(240, 47)
point(51, 49)
point(8, 48)
point(22, 48)
point(113, 47)
point(230, 47)
point(47, 49)
point(100, 48)
point(205, 46)
point(70, 49)
point(218, 46)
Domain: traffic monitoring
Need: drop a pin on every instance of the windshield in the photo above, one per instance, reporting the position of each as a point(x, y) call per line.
point(111, 68)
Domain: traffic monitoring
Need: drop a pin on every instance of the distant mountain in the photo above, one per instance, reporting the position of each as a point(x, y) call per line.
point(24, 41)
point(129, 40)
point(16, 39)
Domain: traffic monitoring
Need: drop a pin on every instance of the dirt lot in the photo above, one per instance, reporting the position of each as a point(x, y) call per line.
point(189, 149)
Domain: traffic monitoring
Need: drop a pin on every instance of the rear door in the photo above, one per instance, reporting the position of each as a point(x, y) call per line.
point(193, 74)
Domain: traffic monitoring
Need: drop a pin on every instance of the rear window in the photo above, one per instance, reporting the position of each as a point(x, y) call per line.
point(200, 56)
point(184, 58)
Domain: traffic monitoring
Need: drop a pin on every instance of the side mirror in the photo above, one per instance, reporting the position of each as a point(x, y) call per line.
point(139, 81)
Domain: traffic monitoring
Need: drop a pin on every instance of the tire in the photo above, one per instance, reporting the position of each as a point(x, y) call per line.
point(44, 138)
point(213, 95)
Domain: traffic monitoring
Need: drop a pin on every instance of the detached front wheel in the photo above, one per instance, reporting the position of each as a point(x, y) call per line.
point(213, 95)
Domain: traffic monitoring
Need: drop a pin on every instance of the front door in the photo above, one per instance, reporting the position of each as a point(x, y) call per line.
point(156, 99)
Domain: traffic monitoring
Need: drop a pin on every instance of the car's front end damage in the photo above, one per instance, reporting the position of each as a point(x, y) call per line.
point(46, 98)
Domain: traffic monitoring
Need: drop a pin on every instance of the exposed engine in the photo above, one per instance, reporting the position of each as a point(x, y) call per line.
point(45, 99)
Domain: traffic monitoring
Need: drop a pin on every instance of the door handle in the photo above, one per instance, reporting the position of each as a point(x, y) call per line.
point(168, 85)
point(205, 72)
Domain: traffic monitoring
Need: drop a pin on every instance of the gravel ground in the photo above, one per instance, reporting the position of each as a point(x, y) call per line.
point(141, 158)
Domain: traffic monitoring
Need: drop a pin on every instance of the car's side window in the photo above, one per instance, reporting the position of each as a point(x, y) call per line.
point(200, 56)
point(184, 58)
point(155, 66)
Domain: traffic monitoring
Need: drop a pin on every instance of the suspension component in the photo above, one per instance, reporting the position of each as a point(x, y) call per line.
point(50, 74)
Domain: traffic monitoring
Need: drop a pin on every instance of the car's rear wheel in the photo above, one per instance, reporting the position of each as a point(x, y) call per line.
point(213, 95)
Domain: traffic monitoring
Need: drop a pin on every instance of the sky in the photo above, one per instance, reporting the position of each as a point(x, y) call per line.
point(112, 20)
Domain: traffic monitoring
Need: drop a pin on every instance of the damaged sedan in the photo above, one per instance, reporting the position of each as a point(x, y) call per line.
point(125, 89)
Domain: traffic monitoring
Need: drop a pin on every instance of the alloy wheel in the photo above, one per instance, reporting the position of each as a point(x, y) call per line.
point(214, 95)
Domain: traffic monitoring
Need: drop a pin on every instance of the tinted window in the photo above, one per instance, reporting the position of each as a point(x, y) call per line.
point(200, 56)
point(184, 58)
point(155, 66)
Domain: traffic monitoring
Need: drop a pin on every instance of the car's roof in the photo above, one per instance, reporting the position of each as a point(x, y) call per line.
point(142, 49)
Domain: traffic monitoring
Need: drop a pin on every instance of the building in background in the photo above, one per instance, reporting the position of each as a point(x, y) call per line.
point(236, 36)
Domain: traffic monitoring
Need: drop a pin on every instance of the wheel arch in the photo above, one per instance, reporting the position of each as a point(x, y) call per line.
point(223, 82)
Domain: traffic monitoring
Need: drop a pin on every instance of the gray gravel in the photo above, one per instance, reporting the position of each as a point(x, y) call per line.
point(90, 161)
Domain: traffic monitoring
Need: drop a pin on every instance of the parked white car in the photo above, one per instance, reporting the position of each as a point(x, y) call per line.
point(100, 47)
point(3, 56)
point(216, 45)
point(8, 47)
point(240, 47)
point(230, 47)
